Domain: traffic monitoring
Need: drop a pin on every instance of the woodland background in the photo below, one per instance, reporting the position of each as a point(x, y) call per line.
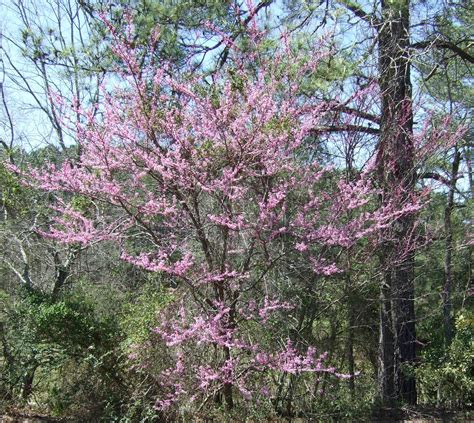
point(395, 327)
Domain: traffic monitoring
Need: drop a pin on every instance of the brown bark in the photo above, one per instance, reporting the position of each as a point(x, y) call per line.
point(396, 176)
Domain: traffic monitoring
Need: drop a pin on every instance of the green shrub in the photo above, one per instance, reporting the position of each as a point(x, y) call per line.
point(447, 381)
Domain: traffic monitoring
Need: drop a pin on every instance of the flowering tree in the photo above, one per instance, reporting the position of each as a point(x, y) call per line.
point(206, 180)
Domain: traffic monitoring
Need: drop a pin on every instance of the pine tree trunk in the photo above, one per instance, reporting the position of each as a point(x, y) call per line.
point(396, 176)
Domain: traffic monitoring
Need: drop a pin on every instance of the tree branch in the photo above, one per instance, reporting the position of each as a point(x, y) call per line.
point(435, 176)
point(359, 12)
point(446, 45)
point(351, 111)
point(442, 179)
point(225, 53)
point(345, 128)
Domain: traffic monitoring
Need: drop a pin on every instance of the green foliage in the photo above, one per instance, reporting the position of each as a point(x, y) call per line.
point(146, 353)
point(140, 314)
point(69, 323)
point(81, 204)
point(173, 18)
point(78, 349)
point(446, 379)
point(14, 197)
point(65, 345)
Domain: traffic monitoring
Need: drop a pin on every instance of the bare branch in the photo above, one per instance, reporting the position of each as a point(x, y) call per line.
point(445, 45)
point(345, 128)
point(360, 13)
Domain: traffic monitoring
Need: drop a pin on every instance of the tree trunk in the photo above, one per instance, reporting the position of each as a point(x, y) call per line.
point(350, 335)
point(28, 379)
point(405, 330)
point(386, 358)
point(448, 271)
point(227, 390)
point(396, 176)
point(9, 363)
point(469, 159)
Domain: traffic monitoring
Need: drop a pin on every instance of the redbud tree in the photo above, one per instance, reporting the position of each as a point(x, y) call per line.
point(206, 180)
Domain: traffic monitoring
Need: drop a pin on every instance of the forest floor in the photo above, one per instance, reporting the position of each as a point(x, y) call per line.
point(421, 414)
point(383, 415)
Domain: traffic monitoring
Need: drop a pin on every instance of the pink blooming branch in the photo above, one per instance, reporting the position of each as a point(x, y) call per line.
point(73, 227)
